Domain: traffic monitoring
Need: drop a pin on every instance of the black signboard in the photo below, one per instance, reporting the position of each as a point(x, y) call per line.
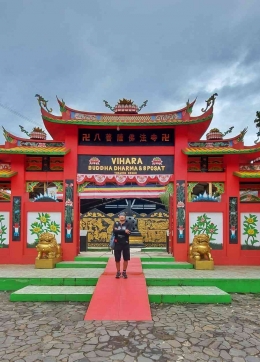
point(126, 165)
point(139, 137)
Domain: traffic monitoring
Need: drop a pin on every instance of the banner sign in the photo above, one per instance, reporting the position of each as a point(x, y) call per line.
point(139, 137)
point(126, 165)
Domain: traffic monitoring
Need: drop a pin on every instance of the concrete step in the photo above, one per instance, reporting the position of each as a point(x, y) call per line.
point(200, 295)
point(81, 264)
point(53, 294)
point(166, 265)
point(93, 249)
point(91, 258)
point(155, 250)
point(150, 258)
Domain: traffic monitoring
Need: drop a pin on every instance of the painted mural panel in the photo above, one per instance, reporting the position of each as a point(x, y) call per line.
point(180, 211)
point(69, 211)
point(40, 222)
point(4, 229)
point(17, 200)
point(210, 223)
point(250, 226)
point(233, 220)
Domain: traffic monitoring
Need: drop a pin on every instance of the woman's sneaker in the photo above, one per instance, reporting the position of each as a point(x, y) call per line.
point(124, 275)
point(118, 275)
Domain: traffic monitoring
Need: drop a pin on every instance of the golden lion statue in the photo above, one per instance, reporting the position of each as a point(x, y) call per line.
point(48, 248)
point(200, 249)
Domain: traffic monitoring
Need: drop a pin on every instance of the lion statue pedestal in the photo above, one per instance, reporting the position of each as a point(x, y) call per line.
point(49, 252)
point(200, 253)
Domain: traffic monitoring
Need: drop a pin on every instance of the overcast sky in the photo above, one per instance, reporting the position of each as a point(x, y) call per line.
point(166, 51)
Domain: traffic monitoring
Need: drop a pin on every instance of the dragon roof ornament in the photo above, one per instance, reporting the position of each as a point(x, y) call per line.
point(125, 106)
point(210, 102)
point(42, 102)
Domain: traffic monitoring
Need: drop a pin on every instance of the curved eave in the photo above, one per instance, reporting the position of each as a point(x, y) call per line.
point(223, 140)
point(48, 114)
point(56, 132)
point(16, 138)
point(219, 151)
point(254, 147)
point(7, 173)
point(204, 120)
point(247, 174)
point(53, 151)
point(28, 139)
point(109, 114)
point(135, 123)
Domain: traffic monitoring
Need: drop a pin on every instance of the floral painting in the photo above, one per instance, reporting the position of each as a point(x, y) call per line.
point(4, 230)
point(210, 223)
point(41, 222)
point(250, 235)
point(69, 210)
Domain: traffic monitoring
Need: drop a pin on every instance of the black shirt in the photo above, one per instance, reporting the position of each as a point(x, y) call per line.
point(119, 230)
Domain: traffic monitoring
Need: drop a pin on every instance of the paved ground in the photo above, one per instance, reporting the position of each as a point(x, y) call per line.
point(219, 272)
point(51, 332)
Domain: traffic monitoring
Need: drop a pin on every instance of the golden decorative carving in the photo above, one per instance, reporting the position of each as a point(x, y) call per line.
point(48, 248)
point(199, 253)
point(200, 249)
point(100, 226)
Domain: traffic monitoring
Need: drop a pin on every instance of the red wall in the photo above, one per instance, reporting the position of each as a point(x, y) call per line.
point(231, 254)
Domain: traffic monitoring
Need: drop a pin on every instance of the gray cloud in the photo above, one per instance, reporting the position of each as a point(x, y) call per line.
point(165, 51)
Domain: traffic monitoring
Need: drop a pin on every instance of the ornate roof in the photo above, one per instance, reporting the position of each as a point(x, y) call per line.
point(247, 174)
point(220, 150)
point(198, 125)
point(153, 119)
point(18, 145)
point(81, 115)
point(55, 151)
point(7, 173)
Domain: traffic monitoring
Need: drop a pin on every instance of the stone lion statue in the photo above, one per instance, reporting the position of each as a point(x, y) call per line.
point(48, 248)
point(200, 249)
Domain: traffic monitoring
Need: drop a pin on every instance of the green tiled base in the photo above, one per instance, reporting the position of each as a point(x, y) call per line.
point(169, 265)
point(165, 259)
point(53, 294)
point(98, 249)
point(150, 250)
point(91, 258)
point(200, 295)
point(81, 264)
point(227, 285)
point(10, 284)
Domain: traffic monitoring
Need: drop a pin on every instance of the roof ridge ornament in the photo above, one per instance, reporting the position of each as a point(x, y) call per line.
point(24, 131)
point(125, 106)
point(108, 106)
point(42, 102)
point(210, 102)
point(7, 135)
point(228, 131)
point(257, 124)
point(189, 106)
point(143, 105)
point(242, 135)
point(62, 106)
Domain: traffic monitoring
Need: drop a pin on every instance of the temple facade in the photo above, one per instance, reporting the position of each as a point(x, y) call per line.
point(154, 166)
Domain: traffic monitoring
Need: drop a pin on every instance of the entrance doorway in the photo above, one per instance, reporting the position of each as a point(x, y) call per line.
point(97, 217)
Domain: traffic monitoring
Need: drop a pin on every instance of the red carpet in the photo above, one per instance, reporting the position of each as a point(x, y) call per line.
point(120, 299)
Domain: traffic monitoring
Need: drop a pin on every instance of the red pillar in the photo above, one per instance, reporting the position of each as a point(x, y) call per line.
point(18, 188)
point(180, 173)
point(231, 190)
point(70, 249)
